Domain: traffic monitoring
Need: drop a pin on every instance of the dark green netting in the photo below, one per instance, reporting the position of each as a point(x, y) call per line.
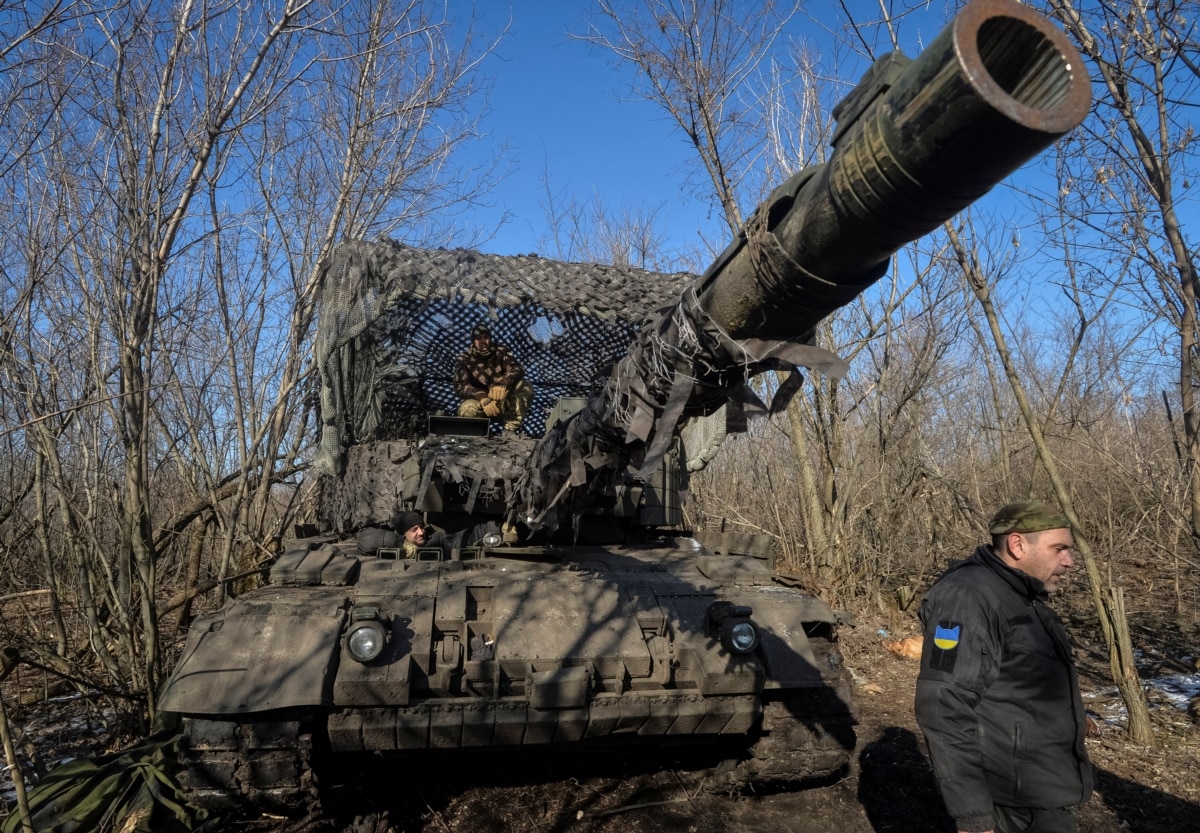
point(638, 345)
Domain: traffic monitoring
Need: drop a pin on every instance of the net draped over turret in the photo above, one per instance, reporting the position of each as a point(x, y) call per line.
point(392, 321)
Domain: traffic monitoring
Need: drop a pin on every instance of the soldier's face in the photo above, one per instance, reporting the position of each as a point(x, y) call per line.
point(416, 535)
point(483, 341)
point(1047, 555)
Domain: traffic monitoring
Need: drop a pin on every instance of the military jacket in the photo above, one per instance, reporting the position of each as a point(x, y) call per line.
point(475, 372)
point(998, 697)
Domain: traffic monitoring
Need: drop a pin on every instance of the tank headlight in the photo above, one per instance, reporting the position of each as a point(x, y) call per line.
point(367, 636)
point(731, 624)
point(739, 636)
point(493, 539)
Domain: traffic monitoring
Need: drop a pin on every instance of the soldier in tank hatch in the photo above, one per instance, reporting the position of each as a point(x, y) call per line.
point(490, 382)
point(414, 534)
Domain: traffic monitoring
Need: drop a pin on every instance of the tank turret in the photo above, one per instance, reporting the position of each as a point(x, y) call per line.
point(559, 601)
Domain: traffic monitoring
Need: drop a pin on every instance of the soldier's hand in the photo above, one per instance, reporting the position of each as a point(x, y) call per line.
point(497, 392)
point(491, 407)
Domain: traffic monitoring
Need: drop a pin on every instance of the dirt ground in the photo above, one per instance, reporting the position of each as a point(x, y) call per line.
point(888, 786)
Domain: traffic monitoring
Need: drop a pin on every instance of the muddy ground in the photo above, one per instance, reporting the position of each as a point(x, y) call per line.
point(888, 785)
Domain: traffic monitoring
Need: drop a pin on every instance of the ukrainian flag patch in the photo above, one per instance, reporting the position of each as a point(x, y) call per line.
point(946, 636)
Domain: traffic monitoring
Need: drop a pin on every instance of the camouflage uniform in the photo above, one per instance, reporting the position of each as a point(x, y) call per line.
point(475, 372)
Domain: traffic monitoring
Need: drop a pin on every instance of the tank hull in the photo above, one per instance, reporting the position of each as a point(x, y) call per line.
point(560, 648)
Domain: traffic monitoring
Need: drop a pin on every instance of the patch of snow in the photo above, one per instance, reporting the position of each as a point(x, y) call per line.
point(1179, 689)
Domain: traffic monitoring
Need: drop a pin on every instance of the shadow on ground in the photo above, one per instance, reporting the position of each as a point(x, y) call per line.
point(898, 793)
point(896, 786)
point(1143, 809)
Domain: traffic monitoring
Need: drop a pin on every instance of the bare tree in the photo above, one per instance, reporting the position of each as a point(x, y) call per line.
point(1109, 601)
point(699, 60)
point(25, 64)
point(588, 230)
point(1136, 156)
point(371, 157)
point(191, 167)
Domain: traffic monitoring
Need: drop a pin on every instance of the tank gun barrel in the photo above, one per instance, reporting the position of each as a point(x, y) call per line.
point(917, 142)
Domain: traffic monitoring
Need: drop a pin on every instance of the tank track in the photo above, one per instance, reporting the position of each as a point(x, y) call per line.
point(806, 734)
point(264, 764)
point(797, 745)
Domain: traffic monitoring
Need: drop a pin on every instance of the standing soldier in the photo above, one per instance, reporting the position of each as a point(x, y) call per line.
point(490, 382)
point(997, 696)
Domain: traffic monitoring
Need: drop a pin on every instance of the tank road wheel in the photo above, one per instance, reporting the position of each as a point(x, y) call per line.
point(263, 764)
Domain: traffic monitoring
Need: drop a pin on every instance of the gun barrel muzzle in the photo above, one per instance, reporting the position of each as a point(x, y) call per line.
point(998, 85)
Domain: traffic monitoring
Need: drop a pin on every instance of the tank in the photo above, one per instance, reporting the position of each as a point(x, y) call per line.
point(569, 605)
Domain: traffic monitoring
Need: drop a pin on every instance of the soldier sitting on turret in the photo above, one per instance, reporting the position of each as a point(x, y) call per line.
point(491, 382)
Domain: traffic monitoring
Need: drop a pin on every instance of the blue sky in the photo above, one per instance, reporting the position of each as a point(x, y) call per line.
point(564, 109)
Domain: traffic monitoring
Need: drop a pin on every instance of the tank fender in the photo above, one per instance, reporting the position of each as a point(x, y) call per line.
point(786, 651)
point(277, 650)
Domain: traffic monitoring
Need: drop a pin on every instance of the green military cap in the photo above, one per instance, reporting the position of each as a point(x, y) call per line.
point(1027, 516)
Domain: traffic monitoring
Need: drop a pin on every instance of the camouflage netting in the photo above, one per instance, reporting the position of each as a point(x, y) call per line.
point(638, 345)
point(682, 376)
point(393, 320)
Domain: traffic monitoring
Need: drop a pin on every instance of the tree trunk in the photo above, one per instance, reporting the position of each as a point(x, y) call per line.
point(1112, 620)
